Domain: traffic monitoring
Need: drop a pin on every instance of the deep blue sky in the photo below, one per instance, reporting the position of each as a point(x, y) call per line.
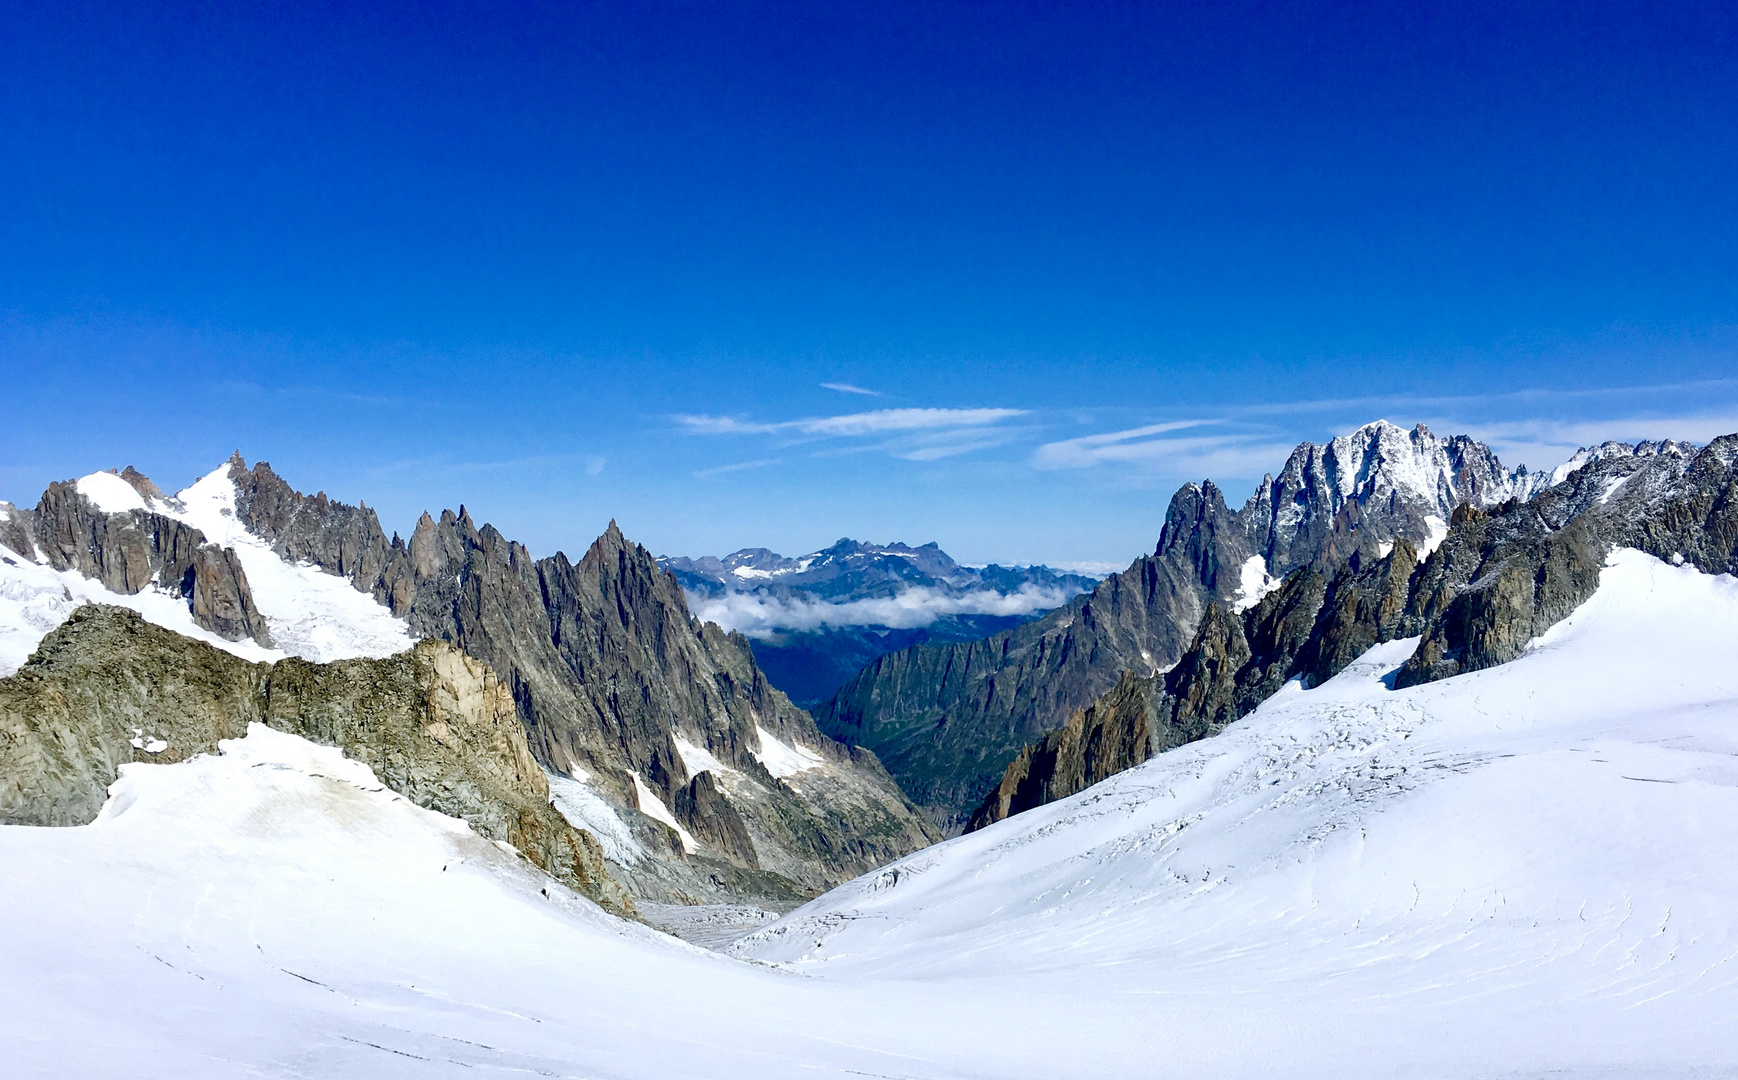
point(568, 264)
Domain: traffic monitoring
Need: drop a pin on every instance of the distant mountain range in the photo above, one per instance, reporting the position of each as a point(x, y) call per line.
point(815, 620)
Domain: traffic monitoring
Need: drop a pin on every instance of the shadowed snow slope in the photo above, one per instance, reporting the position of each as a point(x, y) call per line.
point(1519, 872)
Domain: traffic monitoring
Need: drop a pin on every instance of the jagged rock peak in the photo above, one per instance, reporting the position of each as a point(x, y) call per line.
point(1380, 479)
point(141, 483)
point(1587, 455)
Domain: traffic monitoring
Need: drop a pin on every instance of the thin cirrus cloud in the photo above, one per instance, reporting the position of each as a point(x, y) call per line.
point(1152, 448)
point(719, 470)
point(1545, 443)
point(849, 388)
point(915, 434)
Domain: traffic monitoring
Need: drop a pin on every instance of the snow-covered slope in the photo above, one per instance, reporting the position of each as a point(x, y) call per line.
point(310, 613)
point(1519, 872)
point(1535, 853)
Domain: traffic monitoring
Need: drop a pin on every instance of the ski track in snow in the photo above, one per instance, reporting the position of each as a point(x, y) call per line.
point(1523, 872)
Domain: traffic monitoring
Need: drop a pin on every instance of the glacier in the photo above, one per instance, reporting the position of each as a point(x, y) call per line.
point(1516, 872)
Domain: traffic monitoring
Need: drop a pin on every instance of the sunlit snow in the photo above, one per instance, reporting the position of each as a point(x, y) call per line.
point(36, 598)
point(654, 808)
point(1521, 872)
point(586, 809)
point(310, 613)
point(111, 494)
point(1253, 584)
point(783, 759)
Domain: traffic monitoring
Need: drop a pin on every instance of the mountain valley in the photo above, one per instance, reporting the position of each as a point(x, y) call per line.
point(1383, 757)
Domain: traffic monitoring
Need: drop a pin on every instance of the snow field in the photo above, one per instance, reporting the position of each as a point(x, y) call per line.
point(311, 614)
point(36, 598)
point(1531, 852)
point(1521, 872)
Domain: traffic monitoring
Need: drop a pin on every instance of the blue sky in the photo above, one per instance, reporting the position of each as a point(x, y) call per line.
point(767, 275)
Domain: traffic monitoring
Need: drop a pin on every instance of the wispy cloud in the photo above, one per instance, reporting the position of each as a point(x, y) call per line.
point(875, 422)
point(1088, 450)
point(1234, 453)
point(1545, 443)
point(737, 467)
point(848, 388)
point(911, 434)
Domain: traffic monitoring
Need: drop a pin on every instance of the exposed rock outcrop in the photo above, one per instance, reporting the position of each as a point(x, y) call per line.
point(108, 688)
point(1112, 734)
point(220, 598)
point(608, 670)
point(610, 677)
point(948, 719)
point(1500, 578)
point(134, 549)
point(341, 539)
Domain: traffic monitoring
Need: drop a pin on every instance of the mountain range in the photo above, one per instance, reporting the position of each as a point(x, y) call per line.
point(948, 719)
point(816, 620)
point(1477, 780)
point(659, 734)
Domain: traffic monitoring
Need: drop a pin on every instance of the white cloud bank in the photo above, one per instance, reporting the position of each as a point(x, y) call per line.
point(761, 616)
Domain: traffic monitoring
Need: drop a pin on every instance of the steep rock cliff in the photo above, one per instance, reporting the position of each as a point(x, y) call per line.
point(436, 726)
point(1500, 578)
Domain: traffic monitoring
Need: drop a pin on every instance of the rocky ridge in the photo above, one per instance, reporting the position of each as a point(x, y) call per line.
point(1500, 578)
point(947, 720)
point(665, 724)
point(124, 541)
point(107, 688)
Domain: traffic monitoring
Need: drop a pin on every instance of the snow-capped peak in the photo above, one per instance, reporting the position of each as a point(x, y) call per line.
point(1587, 455)
point(310, 613)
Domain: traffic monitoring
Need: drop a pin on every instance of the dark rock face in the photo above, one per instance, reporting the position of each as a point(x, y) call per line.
point(947, 720)
point(1500, 579)
point(343, 540)
point(607, 669)
point(1372, 486)
point(125, 551)
point(220, 598)
point(1310, 627)
point(436, 726)
point(1506, 576)
point(704, 810)
point(1112, 734)
point(811, 665)
point(134, 549)
point(17, 530)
